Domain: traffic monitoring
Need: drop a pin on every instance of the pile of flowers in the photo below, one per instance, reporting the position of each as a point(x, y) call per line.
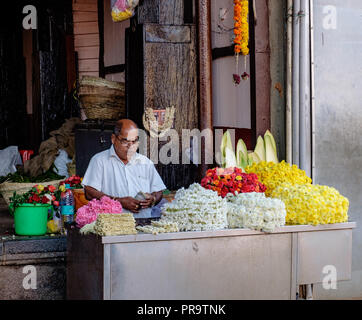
point(273, 174)
point(231, 180)
point(255, 211)
point(37, 194)
point(312, 204)
point(196, 209)
point(89, 212)
point(74, 181)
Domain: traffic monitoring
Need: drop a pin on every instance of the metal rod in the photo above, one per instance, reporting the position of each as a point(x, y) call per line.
point(295, 83)
point(288, 112)
point(312, 88)
point(304, 92)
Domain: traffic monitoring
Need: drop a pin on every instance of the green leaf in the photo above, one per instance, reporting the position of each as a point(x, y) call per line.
point(271, 155)
point(268, 133)
point(225, 144)
point(260, 149)
point(230, 160)
point(242, 154)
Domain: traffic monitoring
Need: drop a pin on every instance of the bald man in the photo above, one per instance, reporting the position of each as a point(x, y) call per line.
point(120, 173)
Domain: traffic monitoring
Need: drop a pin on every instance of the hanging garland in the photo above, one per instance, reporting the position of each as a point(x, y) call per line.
point(241, 27)
point(241, 32)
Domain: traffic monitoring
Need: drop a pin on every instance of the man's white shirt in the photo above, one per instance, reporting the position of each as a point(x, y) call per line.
point(107, 173)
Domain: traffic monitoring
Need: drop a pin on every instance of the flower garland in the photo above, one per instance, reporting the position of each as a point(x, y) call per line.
point(273, 174)
point(241, 27)
point(312, 204)
point(255, 211)
point(241, 32)
point(231, 180)
point(89, 212)
point(196, 209)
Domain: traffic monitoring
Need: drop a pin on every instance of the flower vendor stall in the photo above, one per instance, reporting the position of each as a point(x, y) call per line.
point(254, 231)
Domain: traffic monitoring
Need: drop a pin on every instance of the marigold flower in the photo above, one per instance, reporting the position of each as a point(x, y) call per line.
point(312, 204)
point(241, 27)
point(273, 174)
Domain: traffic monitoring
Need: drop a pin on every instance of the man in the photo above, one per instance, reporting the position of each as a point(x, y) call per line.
point(120, 173)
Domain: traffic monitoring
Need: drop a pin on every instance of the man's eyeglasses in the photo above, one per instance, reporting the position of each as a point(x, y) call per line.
point(125, 142)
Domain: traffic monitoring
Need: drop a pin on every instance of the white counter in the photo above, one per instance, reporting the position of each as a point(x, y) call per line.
point(222, 264)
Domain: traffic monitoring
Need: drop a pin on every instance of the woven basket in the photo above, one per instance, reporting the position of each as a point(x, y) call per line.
point(101, 82)
point(102, 99)
point(7, 188)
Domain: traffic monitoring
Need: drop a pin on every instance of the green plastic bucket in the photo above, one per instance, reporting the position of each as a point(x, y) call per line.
point(31, 219)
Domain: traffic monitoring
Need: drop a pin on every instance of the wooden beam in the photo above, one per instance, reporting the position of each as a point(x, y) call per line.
point(88, 65)
point(205, 77)
point(79, 16)
point(86, 40)
point(85, 7)
point(101, 37)
point(260, 69)
point(88, 52)
point(85, 27)
point(70, 57)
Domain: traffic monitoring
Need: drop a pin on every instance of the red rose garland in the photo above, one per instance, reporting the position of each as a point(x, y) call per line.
point(226, 181)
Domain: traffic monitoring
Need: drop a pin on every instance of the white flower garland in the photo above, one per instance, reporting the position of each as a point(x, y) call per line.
point(196, 209)
point(255, 211)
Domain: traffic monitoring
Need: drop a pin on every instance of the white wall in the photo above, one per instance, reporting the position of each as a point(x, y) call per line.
point(338, 125)
point(114, 42)
point(231, 104)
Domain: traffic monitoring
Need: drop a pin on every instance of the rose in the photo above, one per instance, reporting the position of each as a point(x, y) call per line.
point(44, 199)
point(231, 180)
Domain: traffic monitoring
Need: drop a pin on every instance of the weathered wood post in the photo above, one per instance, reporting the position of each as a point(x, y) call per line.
point(205, 77)
point(161, 71)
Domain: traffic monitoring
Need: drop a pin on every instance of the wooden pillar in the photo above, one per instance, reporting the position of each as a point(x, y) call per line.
point(161, 71)
point(205, 75)
point(260, 69)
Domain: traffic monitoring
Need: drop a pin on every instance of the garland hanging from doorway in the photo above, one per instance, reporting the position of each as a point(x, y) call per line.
point(241, 32)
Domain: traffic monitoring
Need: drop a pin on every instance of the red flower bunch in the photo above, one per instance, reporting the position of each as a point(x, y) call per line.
point(38, 194)
point(41, 194)
point(74, 181)
point(231, 180)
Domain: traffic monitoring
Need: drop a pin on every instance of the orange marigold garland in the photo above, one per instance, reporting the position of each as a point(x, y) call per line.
point(241, 27)
point(241, 31)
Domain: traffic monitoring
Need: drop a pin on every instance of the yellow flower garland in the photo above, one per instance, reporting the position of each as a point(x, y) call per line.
point(273, 174)
point(312, 204)
point(241, 27)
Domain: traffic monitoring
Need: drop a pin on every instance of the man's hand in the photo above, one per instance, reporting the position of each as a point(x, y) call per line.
point(130, 204)
point(150, 199)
